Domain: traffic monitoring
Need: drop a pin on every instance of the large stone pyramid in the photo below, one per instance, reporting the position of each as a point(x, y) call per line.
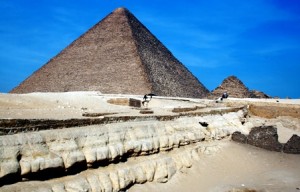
point(118, 55)
point(233, 86)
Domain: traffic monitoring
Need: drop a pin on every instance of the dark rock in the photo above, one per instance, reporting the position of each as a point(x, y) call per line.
point(146, 112)
point(134, 102)
point(265, 137)
point(293, 145)
point(239, 137)
point(204, 124)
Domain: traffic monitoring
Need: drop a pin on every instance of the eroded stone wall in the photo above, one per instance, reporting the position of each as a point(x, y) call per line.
point(91, 150)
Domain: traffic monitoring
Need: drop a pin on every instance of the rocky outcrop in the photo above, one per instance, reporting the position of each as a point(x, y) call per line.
point(239, 137)
point(90, 151)
point(14, 126)
point(118, 178)
point(266, 137)
point(293, 145)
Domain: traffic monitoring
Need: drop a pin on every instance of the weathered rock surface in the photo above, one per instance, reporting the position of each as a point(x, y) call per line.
point(115, 178)
point(239, 137)
point(293, 145)
point(52, 153)
point(264, 137)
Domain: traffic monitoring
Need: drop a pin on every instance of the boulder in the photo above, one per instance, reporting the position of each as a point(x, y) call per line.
point(293, 145)
point(239, 137)
point(265, 137)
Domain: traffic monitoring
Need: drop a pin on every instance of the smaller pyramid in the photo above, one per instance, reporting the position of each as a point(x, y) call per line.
point(233, 86)
point(258, 94)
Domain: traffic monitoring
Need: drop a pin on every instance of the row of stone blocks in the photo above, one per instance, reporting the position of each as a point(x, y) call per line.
point(66, 151)
point(266, 137)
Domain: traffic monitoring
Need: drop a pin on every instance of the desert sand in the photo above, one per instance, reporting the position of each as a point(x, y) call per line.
point(233, 167)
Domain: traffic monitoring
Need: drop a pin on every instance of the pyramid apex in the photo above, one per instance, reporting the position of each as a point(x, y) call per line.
point(120, 10)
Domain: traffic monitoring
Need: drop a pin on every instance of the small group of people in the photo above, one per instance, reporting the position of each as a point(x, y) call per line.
point(147, 98)
point(224, 96)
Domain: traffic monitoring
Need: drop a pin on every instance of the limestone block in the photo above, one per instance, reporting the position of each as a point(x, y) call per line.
point(178, 162)
point(68, 150)
point(77, 184)
point(133, 147)
point(36, 164)
point(105, 182)
point(147, 146)
point(58, 187)
point(114, 180)
point(116, 151)
point(171, 167)
point(126, 177)
point(140, 176)
point(155, 141)
point(173, 141)
point(149, 169)
point(186, 159)
point(9, 166)
point(73, 157)
point(161, 172)
point(93, 155)
point(8, 160)
point(164, 142)
point(90, 155)
point(94, 182)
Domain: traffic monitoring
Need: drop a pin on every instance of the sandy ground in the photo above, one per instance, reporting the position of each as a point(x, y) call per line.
point(235, 166)
point(74, 104)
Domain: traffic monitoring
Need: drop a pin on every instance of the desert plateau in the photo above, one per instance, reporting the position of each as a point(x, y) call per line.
point(88, 141)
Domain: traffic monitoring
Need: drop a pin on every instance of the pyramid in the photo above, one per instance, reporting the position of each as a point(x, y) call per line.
point(233, 86)
point(118, 55)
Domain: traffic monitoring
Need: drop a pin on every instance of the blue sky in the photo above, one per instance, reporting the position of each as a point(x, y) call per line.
point(258, 41)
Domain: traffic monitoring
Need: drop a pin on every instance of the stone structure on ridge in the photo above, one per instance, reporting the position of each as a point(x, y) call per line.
point(233, 86)
point(118, 55)
point(236, 88)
